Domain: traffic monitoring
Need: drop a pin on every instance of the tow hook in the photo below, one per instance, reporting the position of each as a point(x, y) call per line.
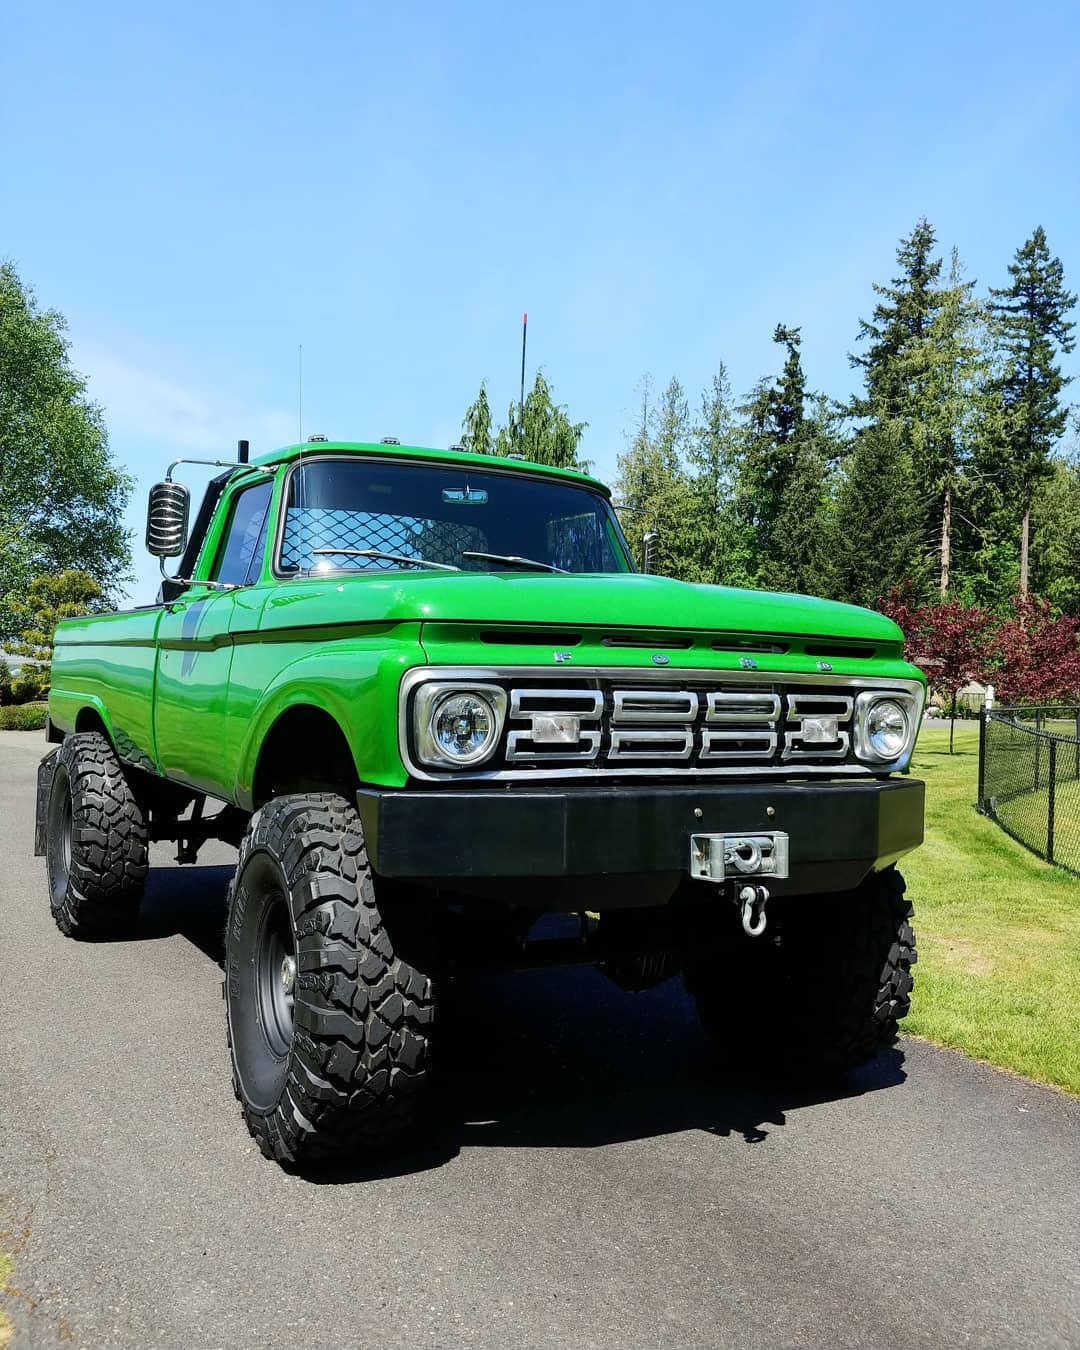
point(752, 909)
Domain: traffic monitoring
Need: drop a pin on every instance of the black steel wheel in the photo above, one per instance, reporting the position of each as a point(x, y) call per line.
point(97, 844)
point(822, 991)
point(329, 1018)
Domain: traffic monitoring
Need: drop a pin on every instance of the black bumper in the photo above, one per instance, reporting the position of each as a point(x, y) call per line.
point(838, 832)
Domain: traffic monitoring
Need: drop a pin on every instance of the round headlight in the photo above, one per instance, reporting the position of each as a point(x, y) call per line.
point(887, 728)
point(464, 727)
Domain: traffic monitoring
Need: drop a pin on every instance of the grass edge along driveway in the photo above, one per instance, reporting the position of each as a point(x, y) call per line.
point(998, 975)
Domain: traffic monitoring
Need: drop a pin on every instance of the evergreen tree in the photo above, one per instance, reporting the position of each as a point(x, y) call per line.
point(782, 477)
point(48, 600)
point(1055, 539)
point(902, 316)
point(773, 423)
point(719, 541)
point(927, 381)
point(542, 432)
point(948, 414)
point(652, 485)
point(1032, 330)
point(476, 426)
point(801, 556)
point(877, 525)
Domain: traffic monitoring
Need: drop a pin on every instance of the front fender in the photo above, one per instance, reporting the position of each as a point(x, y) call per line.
point(355, 682)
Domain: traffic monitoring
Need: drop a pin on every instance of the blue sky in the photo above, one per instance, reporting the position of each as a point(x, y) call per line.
point(202, 188)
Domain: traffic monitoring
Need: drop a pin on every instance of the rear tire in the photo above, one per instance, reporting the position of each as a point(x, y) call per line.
point(824, 991)
point(97, 845)
point(335, 1064)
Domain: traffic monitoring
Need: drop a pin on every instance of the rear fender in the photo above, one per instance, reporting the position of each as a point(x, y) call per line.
point(45, 772)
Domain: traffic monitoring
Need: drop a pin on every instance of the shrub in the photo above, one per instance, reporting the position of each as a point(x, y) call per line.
point(24, 717)
point(27, 688)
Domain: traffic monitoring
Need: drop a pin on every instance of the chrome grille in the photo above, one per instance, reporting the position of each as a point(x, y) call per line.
point(618, 721)
point(681, 726)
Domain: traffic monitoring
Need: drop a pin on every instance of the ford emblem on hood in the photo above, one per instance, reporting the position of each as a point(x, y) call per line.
point(659, 659)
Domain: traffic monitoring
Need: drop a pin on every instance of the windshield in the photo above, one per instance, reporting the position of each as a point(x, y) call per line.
point(435, 514)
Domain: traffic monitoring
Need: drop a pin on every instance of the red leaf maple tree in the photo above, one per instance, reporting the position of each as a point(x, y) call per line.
point(951, 641)
point(1037, 654)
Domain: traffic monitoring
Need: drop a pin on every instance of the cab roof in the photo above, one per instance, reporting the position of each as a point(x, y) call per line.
point(497, 462)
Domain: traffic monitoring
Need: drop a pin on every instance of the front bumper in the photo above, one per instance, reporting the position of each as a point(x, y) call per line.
point(837, 832)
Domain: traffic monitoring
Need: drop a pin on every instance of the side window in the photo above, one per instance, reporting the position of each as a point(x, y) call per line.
point(241, 554)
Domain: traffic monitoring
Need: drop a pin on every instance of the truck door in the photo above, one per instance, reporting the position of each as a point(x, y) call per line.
point(195, 650)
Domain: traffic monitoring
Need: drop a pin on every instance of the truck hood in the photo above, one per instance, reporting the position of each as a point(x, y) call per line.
point(618, 602)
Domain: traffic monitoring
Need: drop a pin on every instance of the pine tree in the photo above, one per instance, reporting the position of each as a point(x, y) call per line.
point(877, 525)
point(773, 421)
point(947, 412)
point(476, 426)
point(719, 538)
point(542, 431)
point(1032, 330)
point(1055, 536)
point(801, 558)
point(782, 477)
point(652, 484)
point(901, 317)
point(927, 381)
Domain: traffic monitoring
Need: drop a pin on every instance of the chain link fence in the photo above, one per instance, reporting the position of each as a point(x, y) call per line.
point(1029, 778)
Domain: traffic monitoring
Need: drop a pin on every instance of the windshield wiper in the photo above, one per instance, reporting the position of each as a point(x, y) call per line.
point(389, 557)
point(526, 564)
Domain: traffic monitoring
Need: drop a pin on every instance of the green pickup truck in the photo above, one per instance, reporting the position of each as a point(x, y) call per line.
point(449, 726)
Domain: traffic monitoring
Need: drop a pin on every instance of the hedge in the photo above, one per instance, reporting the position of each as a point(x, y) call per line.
point(23, 717)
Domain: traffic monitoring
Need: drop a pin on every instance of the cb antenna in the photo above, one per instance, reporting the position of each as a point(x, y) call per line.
point(300, 459)
point(521, 400)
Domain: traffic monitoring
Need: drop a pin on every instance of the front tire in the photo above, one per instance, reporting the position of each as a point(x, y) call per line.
point(329, 1023)
point(824, 990)
point(97, 843)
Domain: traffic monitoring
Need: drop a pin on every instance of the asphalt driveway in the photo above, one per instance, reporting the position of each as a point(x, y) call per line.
point(591, 1181)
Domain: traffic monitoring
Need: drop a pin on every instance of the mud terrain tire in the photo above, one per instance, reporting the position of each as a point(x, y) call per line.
point(824, 991)
point(335, 1065)
point(97, 849)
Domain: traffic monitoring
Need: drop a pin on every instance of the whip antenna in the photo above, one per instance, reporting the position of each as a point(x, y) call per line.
point(521, 400)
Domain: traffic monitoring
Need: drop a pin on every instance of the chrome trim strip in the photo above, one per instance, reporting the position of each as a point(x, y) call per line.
point(674, 744)
point(710, 738)
point(790, 752)
point(724, 706)
point(795, 715)
point(682, 705)
point(570, 752)
point(594, 698)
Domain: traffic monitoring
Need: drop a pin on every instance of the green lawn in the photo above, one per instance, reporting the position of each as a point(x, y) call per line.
point(7, 1331)
point(999, 930)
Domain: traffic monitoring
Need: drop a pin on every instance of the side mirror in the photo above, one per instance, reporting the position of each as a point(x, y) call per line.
point(167, 519)
point(649, 543)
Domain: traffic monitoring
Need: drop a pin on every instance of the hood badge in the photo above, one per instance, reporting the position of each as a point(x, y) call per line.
point(659, 659)
point(560, 657)
point(824, 665)
point(747, 663)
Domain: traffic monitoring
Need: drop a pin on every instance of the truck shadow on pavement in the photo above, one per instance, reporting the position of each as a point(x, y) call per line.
point(564, 1059)
point(557, 1058)
point(188, 902)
